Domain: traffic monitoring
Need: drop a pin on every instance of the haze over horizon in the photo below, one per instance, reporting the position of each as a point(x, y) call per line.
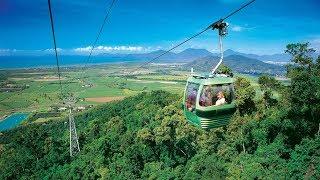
point(262, 28)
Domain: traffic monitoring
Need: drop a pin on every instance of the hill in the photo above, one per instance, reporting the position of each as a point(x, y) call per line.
point(237, 63)
point(146, 136)
point(272, 136)
point(279, 57)
point(185, 56)
point(191, 54)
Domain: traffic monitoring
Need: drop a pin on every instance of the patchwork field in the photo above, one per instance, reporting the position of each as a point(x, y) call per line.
point(93, 86)
point(90, 87)
point(104, 99)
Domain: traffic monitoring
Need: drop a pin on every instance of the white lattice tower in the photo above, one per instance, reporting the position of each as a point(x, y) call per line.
point(74, 143)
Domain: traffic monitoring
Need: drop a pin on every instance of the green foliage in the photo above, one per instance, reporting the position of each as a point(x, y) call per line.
point(301, 53)
point(267, 82)
point(205, 166)
point(223, 69)
point(268, 85)
point(305, 160)
point(305, 86)
point(245, 94)
point(124, 140)
point(147, 137)
point(3, 76)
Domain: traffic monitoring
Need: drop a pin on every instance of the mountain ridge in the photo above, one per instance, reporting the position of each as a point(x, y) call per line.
point(193, 53)
point(185, 56)
point(237, 63)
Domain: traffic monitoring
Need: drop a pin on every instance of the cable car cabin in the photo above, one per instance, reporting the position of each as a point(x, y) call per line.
point(209, 101)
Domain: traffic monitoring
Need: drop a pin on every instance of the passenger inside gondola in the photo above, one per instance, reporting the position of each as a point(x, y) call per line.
point(190, 103)
point(191, 97)
point(206, 97)
point(216, 96)
point(221, 100)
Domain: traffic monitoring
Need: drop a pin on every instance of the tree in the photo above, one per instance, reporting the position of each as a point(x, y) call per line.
point(305, 160)
point(223, 69)
point(245, 94)
point(268, 85)
point(301, 53)
point(147, 137)
point(3, 76)
point(305, 86)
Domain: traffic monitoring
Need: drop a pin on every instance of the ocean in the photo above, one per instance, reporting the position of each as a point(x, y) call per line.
point(18, 62)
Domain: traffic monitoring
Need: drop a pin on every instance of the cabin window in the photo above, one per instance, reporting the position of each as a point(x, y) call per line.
point(216, 95)
point(191, 96)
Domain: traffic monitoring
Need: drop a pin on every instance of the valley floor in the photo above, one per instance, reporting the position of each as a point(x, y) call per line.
point(92, 86)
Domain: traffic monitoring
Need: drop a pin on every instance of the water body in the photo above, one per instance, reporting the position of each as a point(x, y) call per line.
point(12, 121)
point(16, 62)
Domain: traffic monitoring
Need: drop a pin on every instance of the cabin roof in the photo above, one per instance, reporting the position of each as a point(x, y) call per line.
point(207, 80)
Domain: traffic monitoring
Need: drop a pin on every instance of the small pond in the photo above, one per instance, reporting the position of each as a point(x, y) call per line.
point(12, 121)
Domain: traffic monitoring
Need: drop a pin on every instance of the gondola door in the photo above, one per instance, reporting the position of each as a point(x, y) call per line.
point(190, 103)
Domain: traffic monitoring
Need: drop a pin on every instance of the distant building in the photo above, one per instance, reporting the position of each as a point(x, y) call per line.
point(62, 109)
point(80, 108)
point(87, 85)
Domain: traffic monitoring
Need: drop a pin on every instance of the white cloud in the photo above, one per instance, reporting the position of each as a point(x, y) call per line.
point(102, 49)
point(80, 50)
point(5, 52)
point(52, 50)
point(240, 28)
point(237, 28)
point(315, 43)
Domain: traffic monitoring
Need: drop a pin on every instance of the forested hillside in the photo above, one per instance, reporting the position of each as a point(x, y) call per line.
point(147, 136)
point(237, 63)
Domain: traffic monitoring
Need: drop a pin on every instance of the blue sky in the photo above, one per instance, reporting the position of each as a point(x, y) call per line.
point(136, 26)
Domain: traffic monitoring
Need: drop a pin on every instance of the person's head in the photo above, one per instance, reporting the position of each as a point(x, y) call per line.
point(207, 89)
point(220, 95)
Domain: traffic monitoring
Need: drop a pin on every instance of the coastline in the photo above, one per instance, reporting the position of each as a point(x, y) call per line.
point(13, 120)
point(69, 65)
point(2, 118)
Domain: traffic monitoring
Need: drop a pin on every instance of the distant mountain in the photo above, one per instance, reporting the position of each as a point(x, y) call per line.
point(191, 54)
point(151, 55)
point(186, 56)
point(183, 56)
point(273, 58)
point(237, 63)
point(229, 52)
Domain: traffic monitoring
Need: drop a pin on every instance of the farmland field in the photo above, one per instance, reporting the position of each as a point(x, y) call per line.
point(90, 87)
point(93, 86)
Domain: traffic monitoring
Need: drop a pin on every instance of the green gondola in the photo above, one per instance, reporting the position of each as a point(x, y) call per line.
point(205, 115)
point(209, 100)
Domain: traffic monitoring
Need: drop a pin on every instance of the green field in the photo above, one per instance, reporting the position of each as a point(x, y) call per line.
point(43, 87)
point(107, 82)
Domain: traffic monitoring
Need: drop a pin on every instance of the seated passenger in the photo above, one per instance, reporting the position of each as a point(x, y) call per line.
point(221, 100)
point(206, 97)
point(190, 104)
point(191, 107)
